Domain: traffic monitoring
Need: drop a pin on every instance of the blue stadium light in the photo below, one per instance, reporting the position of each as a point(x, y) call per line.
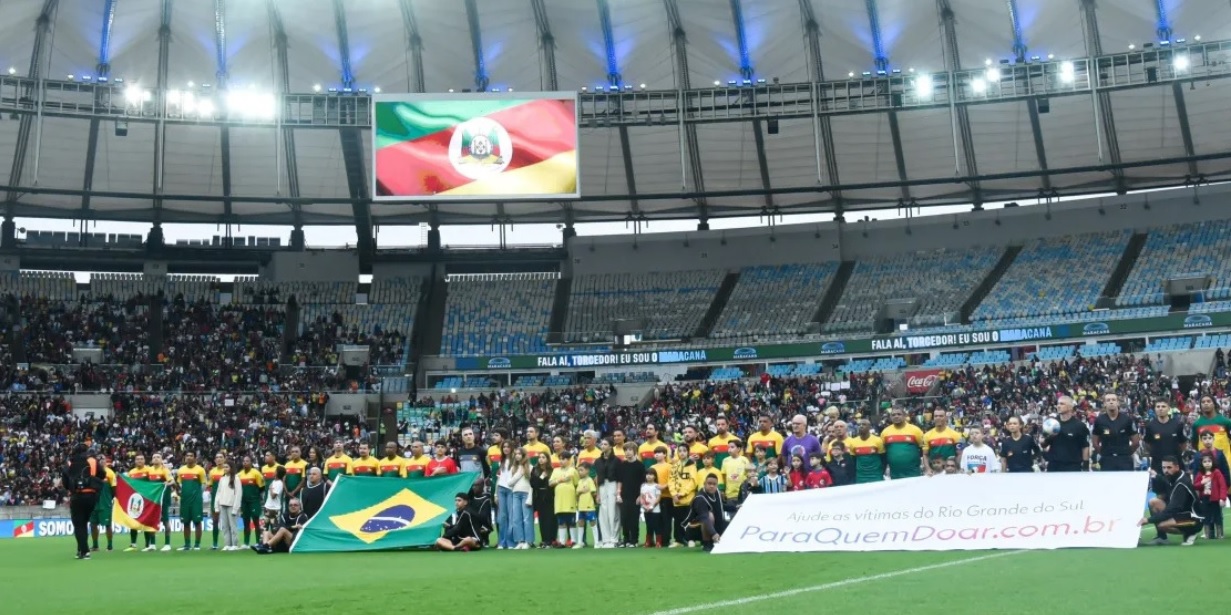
point(628, 88)
point(333, 90)
point(867, 73)
point(1034, 58)
point(87, 78)
point(347, 90)
point(613, 88)
point(897, 71)
point(102, 79)
point(1163, 43)
point(747, 82)
point(760, 82)
point(731, 83)
point(1181, 41)
point(599, 88)
point(363, 90)
point(881, 73)
point(119, 80)
point(496, 90)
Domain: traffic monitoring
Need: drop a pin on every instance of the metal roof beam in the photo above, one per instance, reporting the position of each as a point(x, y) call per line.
point(821, 123)
point(287, 134)
point(604, 20)
point(481, 81)
point(899, 157)
point(688, 132)
point(1105, 121)
point(959, 115)
point(626, 153)
point(1032, 103)
point(879, 58)
point(741, 39)
point(1186, 133)
point(160, 109)
point(352, 148)
point(414, 45)
point(762, 161)
point(103, 69)
point(87, 181)
point(225, 143)
point(27, 123)
point(104, 44)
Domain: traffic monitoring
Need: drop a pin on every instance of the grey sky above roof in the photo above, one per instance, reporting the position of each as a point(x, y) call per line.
point(379, 53)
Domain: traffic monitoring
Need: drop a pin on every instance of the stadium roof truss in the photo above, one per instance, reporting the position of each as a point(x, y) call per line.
point(689, 109)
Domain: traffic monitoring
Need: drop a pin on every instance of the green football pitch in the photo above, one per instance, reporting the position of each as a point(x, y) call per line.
point(41, 576)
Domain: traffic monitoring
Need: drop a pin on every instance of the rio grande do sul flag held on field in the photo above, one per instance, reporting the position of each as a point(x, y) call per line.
point(138, 503)
point(955, 512)
point(466, 146)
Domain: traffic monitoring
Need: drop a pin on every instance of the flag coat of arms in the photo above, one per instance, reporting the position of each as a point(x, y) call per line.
point(479, 147)
point(368, 513)
point(138, 503)
point(23, 529)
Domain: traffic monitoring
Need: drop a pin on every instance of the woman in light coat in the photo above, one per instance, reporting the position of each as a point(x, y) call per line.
point(227, 505)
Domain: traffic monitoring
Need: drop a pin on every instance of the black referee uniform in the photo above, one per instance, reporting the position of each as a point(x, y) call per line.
point(1019, 453)
point(83, 478)
point(1114, 437)
point(1065, 450)
point(1165, 439)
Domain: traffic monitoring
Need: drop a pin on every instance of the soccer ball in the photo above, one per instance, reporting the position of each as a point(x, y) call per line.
point(1051, 427)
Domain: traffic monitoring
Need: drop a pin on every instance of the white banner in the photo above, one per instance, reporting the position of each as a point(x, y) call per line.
point(947, 513)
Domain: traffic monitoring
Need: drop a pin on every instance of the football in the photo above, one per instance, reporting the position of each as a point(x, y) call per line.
point(1051, 427)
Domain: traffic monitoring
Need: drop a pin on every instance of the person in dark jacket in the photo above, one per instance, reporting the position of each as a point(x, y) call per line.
point(461, 532)
point(1174, 511)
point(630, 473)
point(480, 508)
point(83, 478)
point(707, 516)
point(314, 492)
point(543, 499)
point(841, 467)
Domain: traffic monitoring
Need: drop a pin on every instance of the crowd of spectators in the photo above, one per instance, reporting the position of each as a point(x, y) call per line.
point(117, 326)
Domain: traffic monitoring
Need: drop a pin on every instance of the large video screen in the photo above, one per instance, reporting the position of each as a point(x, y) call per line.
point(475, 146)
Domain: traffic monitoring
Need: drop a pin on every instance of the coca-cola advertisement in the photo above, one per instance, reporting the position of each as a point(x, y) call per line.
point(920, 382)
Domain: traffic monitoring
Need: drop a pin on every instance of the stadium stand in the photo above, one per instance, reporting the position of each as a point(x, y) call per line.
point(1054, 353)
point(1170, 344)
point(673, 303)
point(1198, 249)
point(913, 275)
point(794, 293)
point(498, 314)
point(1040, 281)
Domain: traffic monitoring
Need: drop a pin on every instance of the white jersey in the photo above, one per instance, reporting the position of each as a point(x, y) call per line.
point(273, 497)
point(979, 459)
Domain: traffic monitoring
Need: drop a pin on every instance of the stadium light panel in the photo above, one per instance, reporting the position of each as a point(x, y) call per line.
point(316, 87)
point(993, 75)
point(134, 95)
point(987, 62)
point(377, 89)
point(1180, 63)
point(717, 83)
point(850, 75)
point(205, 108)
point(642, 86)
point(1197, 38)
point(923, 87)
point(1067, 72)
point(12, 71)
point(978, 86)
point(1131, 47)
point(70, 77)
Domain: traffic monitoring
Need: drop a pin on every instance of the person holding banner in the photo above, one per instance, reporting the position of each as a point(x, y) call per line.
point(1174, 512)
point(101, 517)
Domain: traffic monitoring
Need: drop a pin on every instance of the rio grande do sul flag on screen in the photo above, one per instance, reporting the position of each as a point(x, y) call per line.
point(477, 146)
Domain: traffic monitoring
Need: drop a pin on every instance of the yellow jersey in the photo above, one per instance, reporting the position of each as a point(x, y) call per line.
point(704, 473)
point(720, 447)
point(585, 494)
point(336, 466)
point(364, 466)
point(269, 473)
point(535, 450)
point(392, 467)
point(416, 467)
point(565, 480)
point(589, 457)
point(771, 442)
point(646, 452)
point(942, 443)
point(734, 473)
point(683, 482)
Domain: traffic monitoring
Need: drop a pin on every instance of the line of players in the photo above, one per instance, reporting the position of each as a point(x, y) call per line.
point(900, 450)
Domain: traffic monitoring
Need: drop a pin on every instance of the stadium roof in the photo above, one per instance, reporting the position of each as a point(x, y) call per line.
point(1047, 121)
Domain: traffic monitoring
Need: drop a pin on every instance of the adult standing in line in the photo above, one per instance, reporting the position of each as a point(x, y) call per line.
point(314, 491)
point(1164, 436)
point(905, 448)
point(1069, 449)
point(543, 497)
point(1115, 437)
point(1018, 451)
point(227, 498)
point(607, 478)
point(767, 439)
point(631, 474)
point(84, 478)
point(942, 440)
point(216, 473)
point(800, 442)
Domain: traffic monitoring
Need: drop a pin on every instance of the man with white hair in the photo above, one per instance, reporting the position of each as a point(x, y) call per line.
point(800, 443)
point(314, 492)
point(1069, 449)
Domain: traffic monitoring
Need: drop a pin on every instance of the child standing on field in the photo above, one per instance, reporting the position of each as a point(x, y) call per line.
point(648, 500)
point(564, 479)
point(586, 515)
point(1211, 491)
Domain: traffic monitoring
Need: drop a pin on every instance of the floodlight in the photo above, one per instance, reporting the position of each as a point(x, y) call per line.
point(191, 84)
point(1180, 62)
point(377, 89)
point(642, 86)
point(134, 95)
point(978, 85)
point(12, 71)
point(851, 74)
point(316, 87)
point(205, 108)
point(993, 75)
point(923, 87)
point(1197, 38)
point(1067, 72)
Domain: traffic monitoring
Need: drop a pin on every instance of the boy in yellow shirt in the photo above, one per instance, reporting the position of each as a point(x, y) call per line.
point(708, 469)
point(564, 479)
point(586, 510)
point(734, 471)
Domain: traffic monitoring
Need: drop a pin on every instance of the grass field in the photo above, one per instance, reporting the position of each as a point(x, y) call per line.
point(41, 576)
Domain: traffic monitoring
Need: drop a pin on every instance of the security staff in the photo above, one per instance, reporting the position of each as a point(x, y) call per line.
point(1164, 436)
point(83, 477)
point(1115, 436)
point(1068, 450)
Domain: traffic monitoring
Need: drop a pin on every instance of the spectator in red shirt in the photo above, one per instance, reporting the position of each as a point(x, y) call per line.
point(798, 476)
point(442, 464)
point(1211, 491)
point(819, 477)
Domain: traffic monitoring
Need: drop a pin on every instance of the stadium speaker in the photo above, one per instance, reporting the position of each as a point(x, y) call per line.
point(121, 129)
point(1152, 74)
point(1044, 105)
point(772, 127)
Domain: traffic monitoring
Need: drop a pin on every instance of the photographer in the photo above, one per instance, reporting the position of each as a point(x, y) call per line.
point(83, 478)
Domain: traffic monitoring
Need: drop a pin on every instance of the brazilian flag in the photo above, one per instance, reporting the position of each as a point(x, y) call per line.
point(368, 513)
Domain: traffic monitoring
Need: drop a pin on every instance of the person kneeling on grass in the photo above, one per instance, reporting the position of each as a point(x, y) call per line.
point(1175, 513)
point(278, 538)
point(461, 533)
point(707, 515)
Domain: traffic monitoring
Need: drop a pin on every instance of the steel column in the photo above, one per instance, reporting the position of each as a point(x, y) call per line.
point(220, 44)
point(961, 119)
point(688, 132)
point(1186, 133)
point(160, 106)
point(1032, 104)
point(604, 20)
point(481, 81)
point(415, 81)
point(26, 125)
point(104, 45)
point(352, 152)
point(1104, 117)
point(283, 80)
point(822, 127)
